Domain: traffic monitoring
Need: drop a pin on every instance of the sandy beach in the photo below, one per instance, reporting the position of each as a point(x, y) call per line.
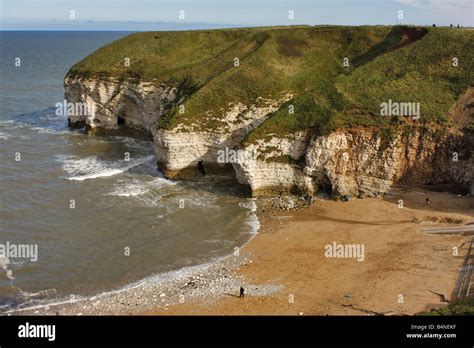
point(285, 269)
point(403, 271)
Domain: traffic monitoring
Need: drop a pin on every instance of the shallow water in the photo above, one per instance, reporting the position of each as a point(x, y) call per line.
point(99, 220)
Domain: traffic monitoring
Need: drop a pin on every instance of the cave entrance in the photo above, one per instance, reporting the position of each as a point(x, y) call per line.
point(324, 186)
point(201, 169)
point(120, 121)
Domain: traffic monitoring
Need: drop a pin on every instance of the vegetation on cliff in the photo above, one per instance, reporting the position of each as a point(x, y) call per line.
point(465, 307)
point(338, 76)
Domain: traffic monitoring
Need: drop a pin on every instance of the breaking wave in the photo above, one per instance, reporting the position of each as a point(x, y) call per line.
point(92, 167)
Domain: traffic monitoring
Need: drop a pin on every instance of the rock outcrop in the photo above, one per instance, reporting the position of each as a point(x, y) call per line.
point(112, 103)
point(277, 167)
point(361, 162)
point(180, 150)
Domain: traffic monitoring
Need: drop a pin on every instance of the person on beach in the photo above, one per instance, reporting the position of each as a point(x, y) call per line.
point(242, 290)
point(428, 201)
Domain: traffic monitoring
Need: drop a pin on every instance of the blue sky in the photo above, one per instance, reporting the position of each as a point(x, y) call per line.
point(146, 14)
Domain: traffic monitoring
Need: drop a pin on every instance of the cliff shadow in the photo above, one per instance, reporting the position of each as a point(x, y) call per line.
point(433, 202)
point(218, 184)
point(444, 173)
point(398, 37)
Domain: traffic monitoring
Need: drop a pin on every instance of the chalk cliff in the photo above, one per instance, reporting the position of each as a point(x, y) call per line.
point(112, 103)
point(362, 162)
point(356, 161)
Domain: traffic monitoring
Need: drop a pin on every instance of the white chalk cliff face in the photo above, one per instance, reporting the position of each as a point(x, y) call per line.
point(112, 103)
point(179, 151)
point(360, 162)
point(277, 167)
point(356, 162)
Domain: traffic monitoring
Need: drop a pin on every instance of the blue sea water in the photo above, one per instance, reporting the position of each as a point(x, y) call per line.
point(99, 222)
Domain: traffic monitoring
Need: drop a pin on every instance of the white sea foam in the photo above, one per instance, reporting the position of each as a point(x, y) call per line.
point(249, 204)
point(136, 187)
point(252, 219)
point(41, 293)
point(130, 189)
point(149, 200)
point(160, 182)
point(43, 130)
point(42, 305)
point(3, 136)
point(135, 143)
point(253, 222)
point(4, 262)
point(91, 167)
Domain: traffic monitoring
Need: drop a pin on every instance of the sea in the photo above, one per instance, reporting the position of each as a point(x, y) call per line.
point(77, 217)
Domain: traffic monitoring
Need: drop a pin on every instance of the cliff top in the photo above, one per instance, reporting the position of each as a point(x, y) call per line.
point(215, 69)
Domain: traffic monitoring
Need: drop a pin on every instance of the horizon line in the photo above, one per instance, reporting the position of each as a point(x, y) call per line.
point(230, 26)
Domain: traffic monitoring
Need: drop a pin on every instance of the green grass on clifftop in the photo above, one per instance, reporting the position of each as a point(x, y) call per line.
point(404, 64)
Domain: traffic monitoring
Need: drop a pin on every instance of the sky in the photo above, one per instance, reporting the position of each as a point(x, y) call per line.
point(189, 14)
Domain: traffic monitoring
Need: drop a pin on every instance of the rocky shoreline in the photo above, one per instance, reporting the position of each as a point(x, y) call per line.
point(200, 283)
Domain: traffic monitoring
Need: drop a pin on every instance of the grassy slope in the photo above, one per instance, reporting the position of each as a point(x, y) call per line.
point(419, 72)
point(306, 61)
point(166, 56)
